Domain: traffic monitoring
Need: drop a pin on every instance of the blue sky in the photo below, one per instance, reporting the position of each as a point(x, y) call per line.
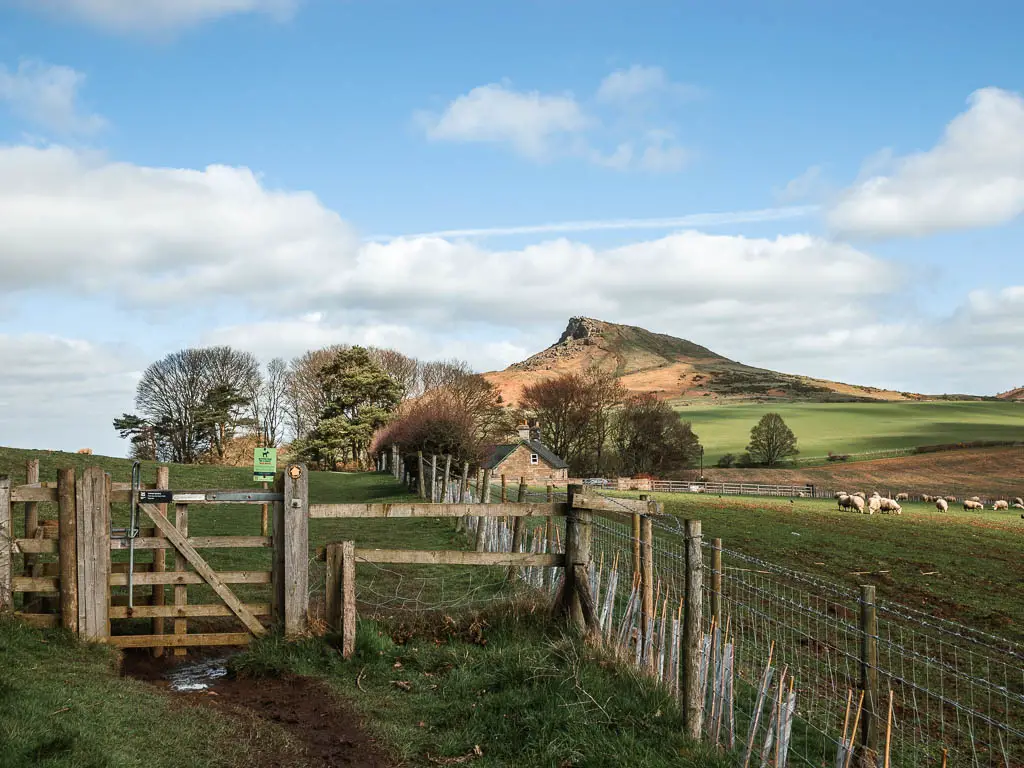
point(177, 174)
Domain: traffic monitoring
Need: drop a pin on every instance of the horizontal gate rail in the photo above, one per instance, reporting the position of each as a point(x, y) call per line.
point(198, 542)
point(556, 509)
point(458, 557)
point(182, 611)
point(178, 641)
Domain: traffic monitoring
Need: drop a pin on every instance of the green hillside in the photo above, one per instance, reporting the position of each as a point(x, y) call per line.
point(857, 427)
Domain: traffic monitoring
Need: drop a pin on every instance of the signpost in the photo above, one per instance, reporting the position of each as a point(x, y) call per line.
point(264, 465)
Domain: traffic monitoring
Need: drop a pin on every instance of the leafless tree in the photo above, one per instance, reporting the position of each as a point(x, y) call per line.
point(403, 369)
point(306, 396)
point(441, 373)
point(269, 401)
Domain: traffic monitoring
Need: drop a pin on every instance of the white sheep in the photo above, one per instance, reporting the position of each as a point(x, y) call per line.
point(860, 495)
point(874, 504)
point(1018, 506)
point(890, 507)
point(842, 500)
point(975, 498)
point(951, 499)
point(857, 503)
point(902, 497)
point(970, 505)
point(942, 505)
point(927, 499)
point(1019, 500)
point(1001, 504)
point(840, 494)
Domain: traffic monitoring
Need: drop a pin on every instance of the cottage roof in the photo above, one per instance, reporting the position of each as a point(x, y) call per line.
point(501, 452)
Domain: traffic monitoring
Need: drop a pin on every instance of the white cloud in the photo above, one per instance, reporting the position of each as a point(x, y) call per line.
point(47, 95)
point(545, 126)
point(809, 185)
point(62, 394)
point(974, 177)
point(159, 15)
point(638, 81)
point(529, 121)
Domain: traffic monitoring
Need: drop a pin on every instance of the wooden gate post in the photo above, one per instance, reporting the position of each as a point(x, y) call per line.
point(163, 482)
point(31, 524)
point(294, 543)
point(93, 530)
point(6, 546)
point(341, 594)
point(67, 526)
point(693, 626)
point(577, 601)
point(869, 676)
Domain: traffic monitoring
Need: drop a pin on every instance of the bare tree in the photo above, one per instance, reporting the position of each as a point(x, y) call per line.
point(306, 396)
point(403, 369)
point(441, 373)
point(269, 402)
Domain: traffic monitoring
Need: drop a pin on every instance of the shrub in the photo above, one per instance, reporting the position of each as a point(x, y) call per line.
point(726, 461)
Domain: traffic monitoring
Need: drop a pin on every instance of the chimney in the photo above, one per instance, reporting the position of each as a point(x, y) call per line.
point(524, 431)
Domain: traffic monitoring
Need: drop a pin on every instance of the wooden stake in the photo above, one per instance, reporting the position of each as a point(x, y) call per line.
point(6, 547)
point(856, 723)
point(93, 529)
point(692, 630)
point(160, 559)
point(888, 731)
point(67, 545)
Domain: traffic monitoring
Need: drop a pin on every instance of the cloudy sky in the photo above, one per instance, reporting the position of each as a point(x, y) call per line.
point(833, 192)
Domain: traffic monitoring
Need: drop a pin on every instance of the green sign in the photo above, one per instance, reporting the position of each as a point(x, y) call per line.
point(264, 465)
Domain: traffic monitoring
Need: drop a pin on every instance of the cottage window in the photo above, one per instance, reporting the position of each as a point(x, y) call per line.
point(534, 458)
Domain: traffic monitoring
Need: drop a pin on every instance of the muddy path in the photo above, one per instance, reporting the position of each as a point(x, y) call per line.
point(324, 730)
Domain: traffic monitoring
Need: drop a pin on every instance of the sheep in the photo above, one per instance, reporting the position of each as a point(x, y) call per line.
point(970, 505)
point(860, 495)
point(85, 451)
point(840, 494)
point(951, 499)
point(1019, 500)
point(942, 505)
point(874, 504)
point(1018, 506)
point(928, 499)
point(1001, 504)
point(890, 507)
point(842, 501)
point(902, 497)
point(857, 503)
point(975, 498)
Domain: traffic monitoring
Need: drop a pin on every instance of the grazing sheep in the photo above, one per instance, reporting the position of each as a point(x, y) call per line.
point(970, 505)
point(890, 507)
point(1001, 504)
point(874, 504)
point(859, 494)
point(942, 505)
point(902, 497)
point(1018, 506)
point(927, 499)
point(857, 503)
point(975, 498)
point(840, 494)
point(842, 501)
point(951, 499)
point(1019, 500)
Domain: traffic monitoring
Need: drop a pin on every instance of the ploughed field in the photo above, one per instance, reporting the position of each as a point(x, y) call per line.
point(857, 427)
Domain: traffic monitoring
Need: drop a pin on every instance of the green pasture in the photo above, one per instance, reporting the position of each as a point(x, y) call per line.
point(857, 427)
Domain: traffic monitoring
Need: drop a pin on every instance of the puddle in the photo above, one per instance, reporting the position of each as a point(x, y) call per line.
point(198, 675)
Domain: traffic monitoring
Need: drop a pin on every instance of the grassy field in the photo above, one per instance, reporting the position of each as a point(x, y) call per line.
point(857, 427)
point(973, 559)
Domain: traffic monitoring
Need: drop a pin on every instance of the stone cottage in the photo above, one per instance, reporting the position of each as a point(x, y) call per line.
point(529, 458)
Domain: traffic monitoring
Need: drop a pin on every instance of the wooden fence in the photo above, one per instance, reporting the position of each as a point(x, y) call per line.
point(733, 489)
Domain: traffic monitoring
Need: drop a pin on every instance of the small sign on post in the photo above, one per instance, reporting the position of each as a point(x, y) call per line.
point(264, 465)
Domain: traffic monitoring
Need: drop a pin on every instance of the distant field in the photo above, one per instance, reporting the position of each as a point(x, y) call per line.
point(857, 427)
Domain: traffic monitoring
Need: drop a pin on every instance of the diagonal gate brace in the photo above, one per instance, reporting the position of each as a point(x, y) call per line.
point(204, 570)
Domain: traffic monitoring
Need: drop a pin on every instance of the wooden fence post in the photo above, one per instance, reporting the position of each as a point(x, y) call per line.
point(504, 489)
point(869, 675)
point(716, 581)
point(31, 524)
point(341, 594)
point(693, 631)
point(637, 566)
point(433, 478)
point(295, 543)
point(277, 564)
point(577, 601)
point(447, 477)
point(67, 546)
point(160, 558)
point(421, 488)
point(93, 549)
point(647, 587)
point(464, 483)
point(481, 522)
point(6, 546)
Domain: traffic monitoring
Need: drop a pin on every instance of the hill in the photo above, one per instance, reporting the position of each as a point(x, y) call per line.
point(1016, 394)
point(673, 368)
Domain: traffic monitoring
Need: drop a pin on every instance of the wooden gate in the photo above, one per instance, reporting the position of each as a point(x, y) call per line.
point(92, 578)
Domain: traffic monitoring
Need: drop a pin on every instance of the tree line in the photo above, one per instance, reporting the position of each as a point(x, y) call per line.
point(340, 404)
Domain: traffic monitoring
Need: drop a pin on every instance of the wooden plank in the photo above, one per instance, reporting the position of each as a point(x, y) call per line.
point(68, 545)
point(296, 549)
point(189, 577)
point(93, 549)
point(185, 611)
point(180, 592)
point(159, 596)
point(6, 546)
point(204, 570)
point(30, 493)
point(457, 557)
point(532, 509)
point(44, 584)
point(333, 597)
point(197, 542)
point(40, 620)
point(179, 641)
point(277, 564)
point(35, 546)
point(624, 507)
point(348, 599)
